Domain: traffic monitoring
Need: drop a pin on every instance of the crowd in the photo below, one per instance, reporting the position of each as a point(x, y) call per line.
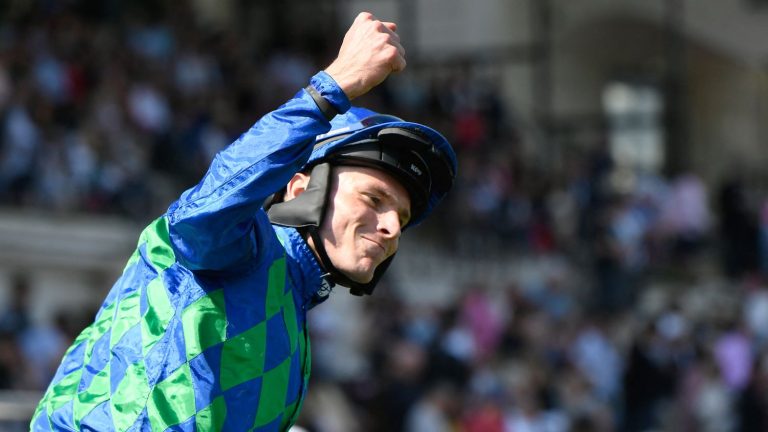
point(652, 328)
point(656, 319)
point(109, 108)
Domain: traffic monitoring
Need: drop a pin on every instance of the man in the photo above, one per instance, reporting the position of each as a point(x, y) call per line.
point(206, 328)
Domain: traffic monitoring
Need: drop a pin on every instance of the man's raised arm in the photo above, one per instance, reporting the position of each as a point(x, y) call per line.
point(212, 224)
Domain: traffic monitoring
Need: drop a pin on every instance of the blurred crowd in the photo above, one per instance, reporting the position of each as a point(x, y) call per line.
point(651, 314)
point(114, 108)
point(657, 318)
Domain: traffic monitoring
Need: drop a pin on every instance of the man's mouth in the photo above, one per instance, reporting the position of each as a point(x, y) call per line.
point(377, 244)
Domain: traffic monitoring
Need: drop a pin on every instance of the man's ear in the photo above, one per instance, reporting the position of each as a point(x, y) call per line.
point(296, 186)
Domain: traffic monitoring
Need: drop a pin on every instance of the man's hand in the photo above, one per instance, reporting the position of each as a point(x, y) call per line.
point(370, 51)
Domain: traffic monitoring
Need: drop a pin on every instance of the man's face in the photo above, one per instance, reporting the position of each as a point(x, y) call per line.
point(368, 209)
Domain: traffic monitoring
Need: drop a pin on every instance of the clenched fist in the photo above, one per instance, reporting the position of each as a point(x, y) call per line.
point(370, 51)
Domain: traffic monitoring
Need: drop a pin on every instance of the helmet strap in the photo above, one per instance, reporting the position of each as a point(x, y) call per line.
point(307, 209)
point(336, 276)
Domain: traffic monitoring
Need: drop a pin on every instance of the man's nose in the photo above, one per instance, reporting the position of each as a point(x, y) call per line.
point(389, 224)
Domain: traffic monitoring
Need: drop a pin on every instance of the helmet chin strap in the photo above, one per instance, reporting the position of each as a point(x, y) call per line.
point(336, 276)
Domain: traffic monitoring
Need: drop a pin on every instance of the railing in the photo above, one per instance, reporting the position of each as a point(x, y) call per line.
point(16, 409)
point(80, 243)
point(424, 271)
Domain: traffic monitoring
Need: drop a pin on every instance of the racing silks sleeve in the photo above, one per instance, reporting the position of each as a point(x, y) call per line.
point(217, 224)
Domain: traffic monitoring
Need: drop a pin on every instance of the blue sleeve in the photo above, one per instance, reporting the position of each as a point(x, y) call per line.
point(211, 225)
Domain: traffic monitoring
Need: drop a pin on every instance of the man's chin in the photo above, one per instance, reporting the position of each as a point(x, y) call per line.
point(361, 277)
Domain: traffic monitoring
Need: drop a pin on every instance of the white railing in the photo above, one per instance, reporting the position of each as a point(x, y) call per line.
point(81, 243)
point(17, 407)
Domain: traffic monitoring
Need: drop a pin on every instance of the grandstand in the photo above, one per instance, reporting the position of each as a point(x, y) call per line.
point(602, 264)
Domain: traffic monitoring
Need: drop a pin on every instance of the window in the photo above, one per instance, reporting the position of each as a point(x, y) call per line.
point(635, 131)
